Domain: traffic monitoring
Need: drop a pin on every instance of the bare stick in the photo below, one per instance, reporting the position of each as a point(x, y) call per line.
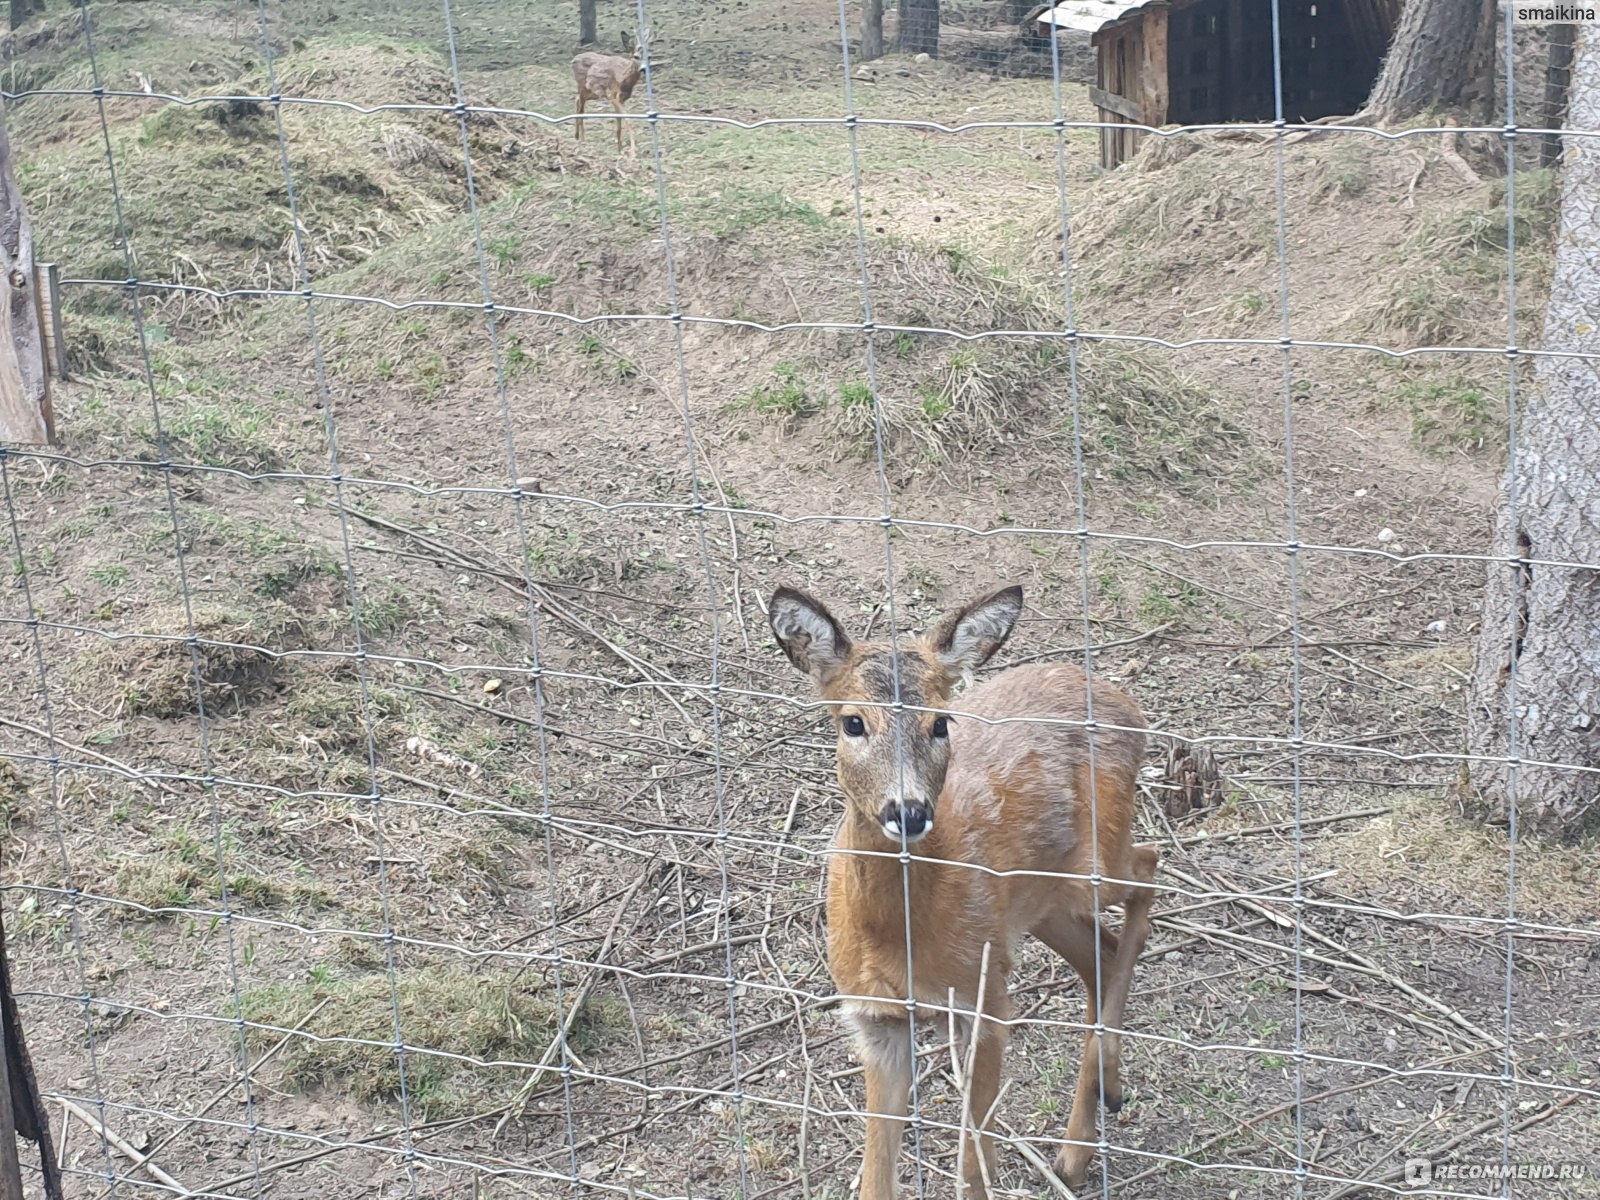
point(585, 990)
point(223, 1092)
point(111, 1136)
point(1365, 964)
point(975, 1032)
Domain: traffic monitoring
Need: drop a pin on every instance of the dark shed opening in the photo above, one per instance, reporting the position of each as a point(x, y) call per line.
point(1205, 62)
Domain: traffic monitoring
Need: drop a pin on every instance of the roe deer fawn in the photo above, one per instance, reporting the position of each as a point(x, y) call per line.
point(1004, 796)
point(607, 77)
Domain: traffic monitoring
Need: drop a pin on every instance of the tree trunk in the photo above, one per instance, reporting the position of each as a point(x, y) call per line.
point(24, 385)
point(871, 30)
point(919, 27)
point(587, 32)
point(1557, 75)
point(1545, 620)
point(1442, 56)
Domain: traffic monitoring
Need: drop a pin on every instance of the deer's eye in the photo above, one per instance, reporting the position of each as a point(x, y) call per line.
point(941, 727)
point(854, 727)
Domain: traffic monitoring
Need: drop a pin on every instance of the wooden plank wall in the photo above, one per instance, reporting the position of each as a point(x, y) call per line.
point(1119, 69)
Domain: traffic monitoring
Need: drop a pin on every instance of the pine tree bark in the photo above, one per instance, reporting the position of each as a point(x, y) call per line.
point(871, 30)
point(1442, 56)
point(1539, 649)
point(588, 33)
point(919, 27)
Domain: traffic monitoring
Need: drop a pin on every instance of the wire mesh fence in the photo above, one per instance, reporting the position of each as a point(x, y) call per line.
point(407, 795)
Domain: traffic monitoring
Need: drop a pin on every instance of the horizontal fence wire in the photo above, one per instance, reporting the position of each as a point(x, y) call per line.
point(711, 866)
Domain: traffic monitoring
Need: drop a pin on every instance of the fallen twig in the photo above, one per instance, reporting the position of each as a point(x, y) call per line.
point(117, 1142)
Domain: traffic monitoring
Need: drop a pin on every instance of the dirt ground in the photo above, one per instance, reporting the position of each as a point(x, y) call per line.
point(540, 808)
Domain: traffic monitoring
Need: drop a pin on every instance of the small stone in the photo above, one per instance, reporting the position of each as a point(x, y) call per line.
point(1386, 534)
point(493, 686)
point(1436, 626)
point(921, 58)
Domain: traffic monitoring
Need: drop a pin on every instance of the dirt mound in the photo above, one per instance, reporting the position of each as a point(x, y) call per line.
point(155, 674)
point(360, 181)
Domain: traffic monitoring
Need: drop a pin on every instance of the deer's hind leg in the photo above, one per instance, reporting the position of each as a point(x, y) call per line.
point(1135, 929)
point(1072, 935)
point(633, 146)
point(1106, 983)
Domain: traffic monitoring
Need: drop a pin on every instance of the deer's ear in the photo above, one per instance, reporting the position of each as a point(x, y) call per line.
point(810, 635)
point(969, 637)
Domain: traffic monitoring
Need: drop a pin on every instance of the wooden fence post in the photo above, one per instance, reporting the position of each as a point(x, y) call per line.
point(24, 390)
point(47, 288)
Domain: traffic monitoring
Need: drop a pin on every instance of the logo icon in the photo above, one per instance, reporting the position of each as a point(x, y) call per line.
point(1419, 1172)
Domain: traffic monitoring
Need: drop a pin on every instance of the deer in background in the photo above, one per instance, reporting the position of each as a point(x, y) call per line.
point(608, 77)
point(944, 792)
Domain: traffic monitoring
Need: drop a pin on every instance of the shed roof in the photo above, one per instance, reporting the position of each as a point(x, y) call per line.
point(1091, 16)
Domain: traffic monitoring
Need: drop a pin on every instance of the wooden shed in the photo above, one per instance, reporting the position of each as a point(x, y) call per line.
point(1206, 62)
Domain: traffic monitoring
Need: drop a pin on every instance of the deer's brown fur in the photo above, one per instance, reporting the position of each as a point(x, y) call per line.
point(1003, 795)
point(607, 77)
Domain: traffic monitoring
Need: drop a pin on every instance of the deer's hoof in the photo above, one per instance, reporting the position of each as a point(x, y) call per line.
point(1073, 1167)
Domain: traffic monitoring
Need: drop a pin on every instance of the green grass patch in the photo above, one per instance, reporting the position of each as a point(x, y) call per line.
point(783, 395)
point(1455, 412)
point(487, 1015)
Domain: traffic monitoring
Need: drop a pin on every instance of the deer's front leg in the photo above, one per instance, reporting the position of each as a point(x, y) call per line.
point(980, 1091)
point(884, 1042)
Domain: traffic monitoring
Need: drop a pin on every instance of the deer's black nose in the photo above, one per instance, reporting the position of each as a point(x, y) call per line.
point(912, 820)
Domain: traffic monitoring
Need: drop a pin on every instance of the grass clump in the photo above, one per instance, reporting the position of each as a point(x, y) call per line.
point(1456, 866)
point(783, 395)
point(234, 436)
point(1151, 229)
point(1454, 413)
point(154, 674)
point(492, 1015)
point(358, 187)
point(1446, 285)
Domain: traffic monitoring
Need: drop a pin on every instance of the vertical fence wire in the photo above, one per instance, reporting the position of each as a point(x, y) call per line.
point(375, 796)
point(891, 611)
point(713, 696)
point(1292, 580)
point(124, 238)
point(1095, 988)
point(535, 651)
point(84, 999)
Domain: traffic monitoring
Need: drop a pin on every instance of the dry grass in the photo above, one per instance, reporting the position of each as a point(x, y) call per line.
point(1150, 229)
point(359, 185)
point(595, 412)
point(488, 1015)
point(1445, 284)
point(155, 674)
point(1450, 865)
